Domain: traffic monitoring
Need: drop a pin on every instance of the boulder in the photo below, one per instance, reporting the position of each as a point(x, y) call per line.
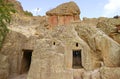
point(104, 48)
point(110, 73)
point(110, 27)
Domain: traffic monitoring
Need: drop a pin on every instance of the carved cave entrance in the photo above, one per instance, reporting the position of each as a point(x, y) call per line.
point(26, 61)
point(77, 59)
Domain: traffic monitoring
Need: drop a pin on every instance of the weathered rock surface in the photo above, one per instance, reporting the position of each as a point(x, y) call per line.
point(109, 26)
point(12, 53)
point(92, 21)
point(63, 14)
point(69, 8)
point(12, 49)
point(104, 48)
point(110, 73)
point(50, 63)
point(4, 67)
point(51, 51)
point(17, 5)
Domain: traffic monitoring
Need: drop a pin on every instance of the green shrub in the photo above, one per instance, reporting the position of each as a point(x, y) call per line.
point(6, 9)
point(28, 13)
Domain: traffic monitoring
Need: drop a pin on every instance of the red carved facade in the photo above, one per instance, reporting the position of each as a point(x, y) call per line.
point(54, 20)
point(63, 14)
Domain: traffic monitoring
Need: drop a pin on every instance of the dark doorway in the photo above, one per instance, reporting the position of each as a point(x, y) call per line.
point(77, 61)
point(26, 61)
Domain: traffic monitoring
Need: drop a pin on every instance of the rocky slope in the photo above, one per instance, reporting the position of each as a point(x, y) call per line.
point(52, 48)
point(111, 28)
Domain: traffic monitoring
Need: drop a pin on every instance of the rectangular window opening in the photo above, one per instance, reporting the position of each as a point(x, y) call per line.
point(77, 59)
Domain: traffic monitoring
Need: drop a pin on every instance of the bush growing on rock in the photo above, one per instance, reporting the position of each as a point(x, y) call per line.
point(6, 8)
point(28, 13)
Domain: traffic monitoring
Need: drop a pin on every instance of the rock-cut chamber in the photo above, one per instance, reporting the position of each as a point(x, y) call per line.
point(26, 61)
point(77, 59)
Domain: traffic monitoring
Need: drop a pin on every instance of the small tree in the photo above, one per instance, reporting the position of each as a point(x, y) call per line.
point(6, 8)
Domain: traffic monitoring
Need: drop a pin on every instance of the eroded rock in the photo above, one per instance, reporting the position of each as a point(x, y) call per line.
point(71, 50)
point(63, 14)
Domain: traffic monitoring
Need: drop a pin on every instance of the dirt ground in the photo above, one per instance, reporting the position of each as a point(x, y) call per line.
point(22, 76)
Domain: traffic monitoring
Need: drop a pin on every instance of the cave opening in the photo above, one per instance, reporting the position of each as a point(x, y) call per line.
point(26, 61)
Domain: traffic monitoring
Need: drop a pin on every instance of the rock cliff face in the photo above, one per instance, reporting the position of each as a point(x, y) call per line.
point(69, 50)
point(17, 6)
point(111, 28)
point(63, 14)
